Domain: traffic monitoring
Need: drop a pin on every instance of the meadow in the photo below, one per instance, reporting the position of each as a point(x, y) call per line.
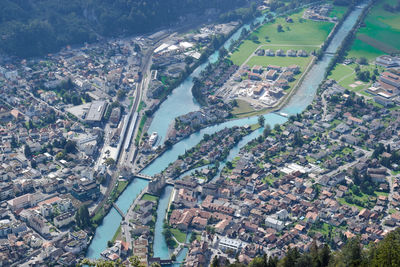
point(300, 34)
point(380, 35)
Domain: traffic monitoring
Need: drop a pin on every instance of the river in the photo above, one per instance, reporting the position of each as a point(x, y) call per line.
point(180, 102)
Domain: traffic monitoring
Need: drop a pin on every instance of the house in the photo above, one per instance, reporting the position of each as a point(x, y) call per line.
point(269, 52)
point(255, 77)
point(342, 128)
point(282, 83)
point(257, 69)
point(258, 90)
point(302, 53)
point(293, 68)
point(291, 53)
point(350, 139)
point(271, 75)
point(280, 53)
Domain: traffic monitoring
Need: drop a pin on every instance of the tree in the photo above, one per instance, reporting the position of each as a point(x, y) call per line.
point(14, 143)
point(110, 162)
point(215, 262)
point(33, 164)
point(60, 155)
point(82, 217)
point(277, 128)
point(229, 165)
point(27, 151)
point(254, 38)
point(222, 52)
point(121, 94)
point(261, 120)
point(76, 100)
point(279, 28)
point(188, 60)
point(267, 130)
point(325, 256)
point(70, 146)
point(297, 139)
point(387, 252)
point(363, 61)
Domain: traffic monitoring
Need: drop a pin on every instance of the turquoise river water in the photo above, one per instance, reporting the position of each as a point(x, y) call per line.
point(181, 102)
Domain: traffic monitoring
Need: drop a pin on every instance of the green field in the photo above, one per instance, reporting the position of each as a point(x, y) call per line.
point(242, 108)
point(180, 236)
point(338, 11)
point(345, 76)
point(380, 34)
point(150, 197)
point(301, 34)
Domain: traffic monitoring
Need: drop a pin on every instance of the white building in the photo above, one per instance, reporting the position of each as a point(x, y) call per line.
point(274, 223)
point(227, 243)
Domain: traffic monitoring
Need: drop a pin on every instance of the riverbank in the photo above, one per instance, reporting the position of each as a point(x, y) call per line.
point(299, 102)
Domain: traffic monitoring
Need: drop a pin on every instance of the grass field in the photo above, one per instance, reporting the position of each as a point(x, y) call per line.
point(380, 34)
point(243, 107)
point(345, 75)
point(149, 197)
point(302, 62)
point(301, 34)
point(117, 234)
point(338, 11)
point(180, 236)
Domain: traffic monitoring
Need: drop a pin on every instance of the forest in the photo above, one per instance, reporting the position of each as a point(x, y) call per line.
point(34, 28)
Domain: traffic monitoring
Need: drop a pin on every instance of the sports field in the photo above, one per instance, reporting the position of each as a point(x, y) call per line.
point(381, 34)
point(345, 76)
point(301, 34)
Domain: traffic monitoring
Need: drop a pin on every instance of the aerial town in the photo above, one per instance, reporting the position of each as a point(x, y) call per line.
point(205, 146)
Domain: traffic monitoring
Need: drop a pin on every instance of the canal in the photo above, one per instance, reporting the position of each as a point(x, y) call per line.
point(180, 102)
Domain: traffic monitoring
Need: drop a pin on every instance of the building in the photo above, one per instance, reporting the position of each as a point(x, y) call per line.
point(115, 115)
point(271, 74)
point(258, 90)
point(87, 190)
point(257, 69)
point(229, 244)
point(274, 223)
point(6, 191)
point(96, 111)
point(64, 219)
point(390, 78)
point(387, 61)
point(24, 201)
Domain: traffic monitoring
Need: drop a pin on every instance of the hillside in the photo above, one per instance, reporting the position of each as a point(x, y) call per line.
point(385, 253)
point(33, 28)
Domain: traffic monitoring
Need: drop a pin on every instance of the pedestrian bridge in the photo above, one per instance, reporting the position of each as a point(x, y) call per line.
point(118, 210)
point(143, 176)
